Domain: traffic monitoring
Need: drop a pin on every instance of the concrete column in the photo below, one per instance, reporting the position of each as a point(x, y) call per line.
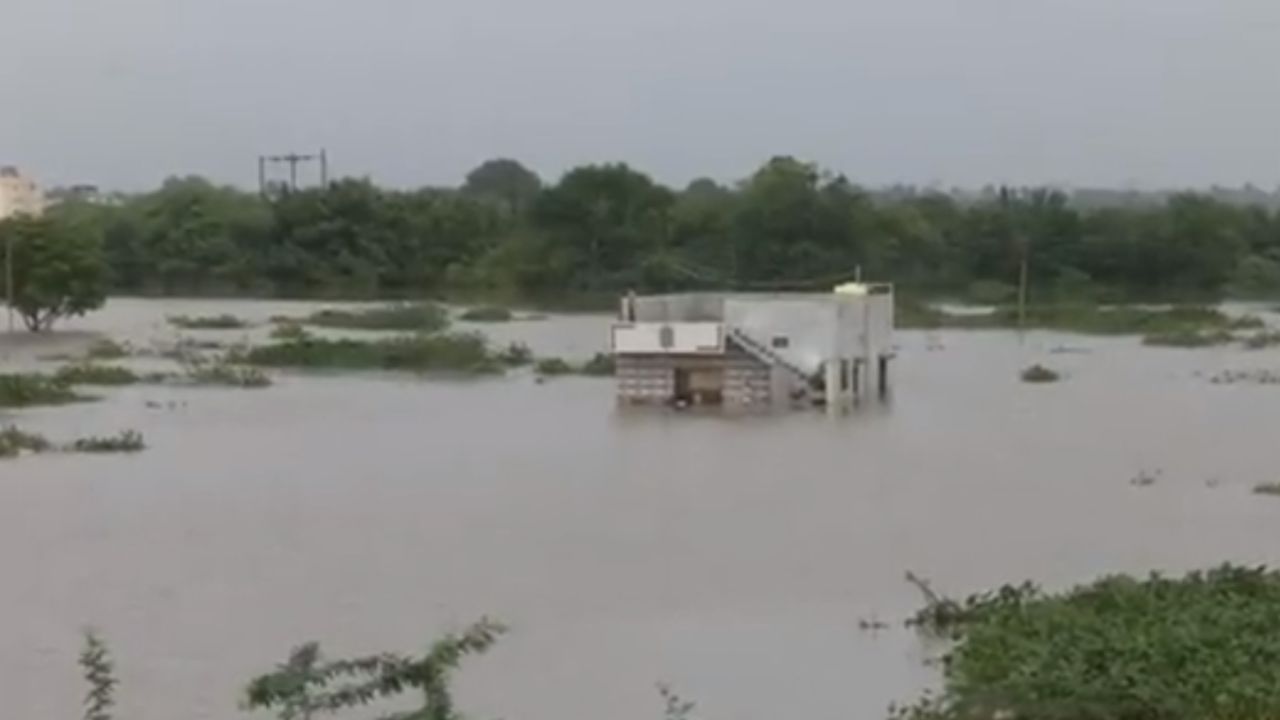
point(872, 380)
point(832, 373)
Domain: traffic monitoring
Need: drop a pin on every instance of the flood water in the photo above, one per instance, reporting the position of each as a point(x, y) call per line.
point(731, 558)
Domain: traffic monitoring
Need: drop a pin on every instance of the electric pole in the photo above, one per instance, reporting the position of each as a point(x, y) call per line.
point(292, 160)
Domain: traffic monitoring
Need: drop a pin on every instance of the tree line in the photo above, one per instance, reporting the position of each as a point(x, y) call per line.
point(603, 229)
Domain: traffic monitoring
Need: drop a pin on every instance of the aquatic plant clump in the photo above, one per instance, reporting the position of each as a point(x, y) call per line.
point(107, 349)
point(1039, 374)
point(14, 442)
point(93, 374)
point(456, 352)
point(487, 314)
point(18, 390)
point(208, 322)
point(552, 367)
point(128, 441)
point(226, 374)
point(1203, 646)
point(1188, 338)
point(416, 317)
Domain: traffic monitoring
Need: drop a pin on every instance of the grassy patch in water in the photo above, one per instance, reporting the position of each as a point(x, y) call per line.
point(515, 354)
point(455, 352)
point(1188, 338)
point(14, 442)
point(224, 373)
point(18, 390)
point(289, 330)
point(107, 349)
point(94, 374)
point(1262, 340)
point(553, 367)
point(417, 317)
point(1122, 648)
point(208, 322)
point(600, 365)
point(1271, 488)
point(1040, 374)
point(489, 313)
point(128, 441)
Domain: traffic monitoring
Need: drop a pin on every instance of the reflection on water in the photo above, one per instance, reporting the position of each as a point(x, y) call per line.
point(732, 558)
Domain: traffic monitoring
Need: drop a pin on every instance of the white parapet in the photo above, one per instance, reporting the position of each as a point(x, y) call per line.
point(677, 338)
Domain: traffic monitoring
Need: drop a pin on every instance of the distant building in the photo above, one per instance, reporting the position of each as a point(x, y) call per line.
point(748, 351)
point(19, 195)
point(76, 193)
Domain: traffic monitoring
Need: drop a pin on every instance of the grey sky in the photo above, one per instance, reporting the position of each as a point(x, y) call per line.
point(1115, 92)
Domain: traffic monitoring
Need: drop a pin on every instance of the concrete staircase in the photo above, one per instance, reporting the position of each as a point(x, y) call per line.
point(768, 356)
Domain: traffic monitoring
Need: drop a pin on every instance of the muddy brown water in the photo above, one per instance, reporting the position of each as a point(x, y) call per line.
point(731, 558)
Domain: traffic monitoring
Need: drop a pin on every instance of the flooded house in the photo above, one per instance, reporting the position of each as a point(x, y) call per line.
point(755, 350)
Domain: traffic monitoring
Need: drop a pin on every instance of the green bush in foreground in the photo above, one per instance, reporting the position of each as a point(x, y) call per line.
point(456, 352)
point(28, 390)
point(1197, 648)
point(419, 317)
point(308, 684)
point(208, 322)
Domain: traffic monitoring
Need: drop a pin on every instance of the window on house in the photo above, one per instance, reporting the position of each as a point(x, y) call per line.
point(781, 341)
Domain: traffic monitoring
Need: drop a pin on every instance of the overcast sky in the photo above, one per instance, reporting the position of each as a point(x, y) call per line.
point(1114, 92)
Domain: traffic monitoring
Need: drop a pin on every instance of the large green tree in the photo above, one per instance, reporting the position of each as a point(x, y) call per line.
point(58, 269)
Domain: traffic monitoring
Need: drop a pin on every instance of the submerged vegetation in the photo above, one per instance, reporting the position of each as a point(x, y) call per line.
point(14, 442)
point(1040, 374)
point(127, 441)
point(19, 390)
point(448, 352)
point(208, 322)
point(415, 317)
point(1271, 488)
point(1118, 649)
point(487, 313)
point(224, 373)
point(107, 349)
point(94, 374)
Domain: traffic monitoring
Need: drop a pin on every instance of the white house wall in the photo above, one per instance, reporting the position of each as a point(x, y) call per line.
point(685, 338)
point(808, 324)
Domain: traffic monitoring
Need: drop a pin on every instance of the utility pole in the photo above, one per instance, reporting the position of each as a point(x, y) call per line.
point(8, 277)
point(292, 160)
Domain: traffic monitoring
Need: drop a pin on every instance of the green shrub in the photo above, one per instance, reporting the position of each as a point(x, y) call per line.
point(208, 322)
point(487, 314)
point(551, 367)
point(1262, 340)
point(515, 355)
point(107, 349)
point(226, 374)
point(27, 390)
point(1272, 488)
point(14, 442)
point(1120, 649)
point(456, 352)
point(419, 317)
point(91, 374)
point(1039, 374)
point(289, 331)
point(600, 365)
point(128, 441)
